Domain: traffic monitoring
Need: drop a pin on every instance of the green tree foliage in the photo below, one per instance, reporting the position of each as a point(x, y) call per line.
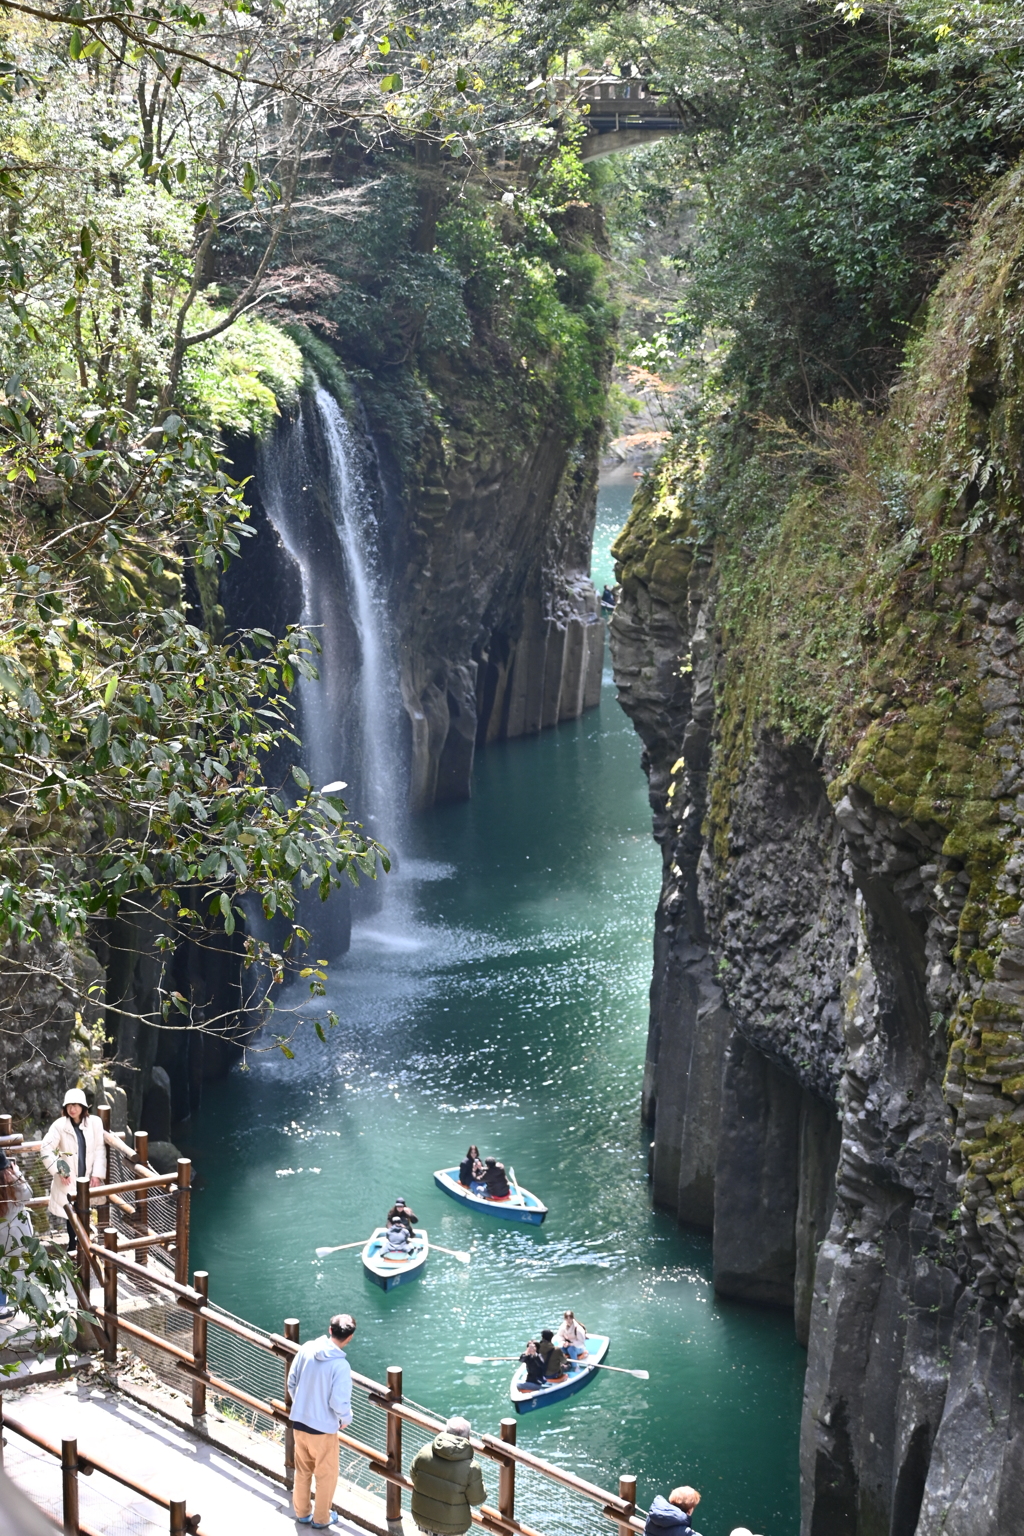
point(829, 157)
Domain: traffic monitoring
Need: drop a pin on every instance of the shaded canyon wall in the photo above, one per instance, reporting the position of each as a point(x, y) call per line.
point(835, 1072)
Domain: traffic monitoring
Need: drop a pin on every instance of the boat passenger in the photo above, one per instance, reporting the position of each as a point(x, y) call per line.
point(671, 1516)
point(401, 1212)
point(573, 1337)
point(551, 1354)
point(496, 1185)
point(471, 1171)
point(534, 1363)
point(397, 1238)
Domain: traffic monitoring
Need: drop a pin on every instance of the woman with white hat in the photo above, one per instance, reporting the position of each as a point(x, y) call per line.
point(73, 1148)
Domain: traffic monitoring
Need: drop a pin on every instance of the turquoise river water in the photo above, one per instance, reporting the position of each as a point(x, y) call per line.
point(501, 997)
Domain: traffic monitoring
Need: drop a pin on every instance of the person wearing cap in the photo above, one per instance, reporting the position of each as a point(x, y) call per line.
point(401, 1212)
point(446, 1481)
point(15, 1221)
point(73, 1148)
point(320, 1386)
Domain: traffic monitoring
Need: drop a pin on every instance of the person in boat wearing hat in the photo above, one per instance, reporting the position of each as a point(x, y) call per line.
point(671, 1516)
point(397, 1238)
point(446, 1481)
point(73, 1148)
point(15, 1220)
point(401, 1212)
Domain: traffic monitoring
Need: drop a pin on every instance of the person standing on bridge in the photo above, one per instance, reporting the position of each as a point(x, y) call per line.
point(320, 1384)
point(446, 1481)
point(671, 1516)
point(73, 1148)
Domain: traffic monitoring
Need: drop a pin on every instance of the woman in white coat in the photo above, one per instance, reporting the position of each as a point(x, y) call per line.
point(73, 1148)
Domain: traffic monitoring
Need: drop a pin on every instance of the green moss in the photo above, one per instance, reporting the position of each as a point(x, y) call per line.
point(836, 562)
point(242, 379)
point(655, 548)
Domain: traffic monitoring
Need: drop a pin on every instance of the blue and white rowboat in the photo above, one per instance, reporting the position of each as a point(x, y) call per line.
point(388, 1270)
point(574, 1380)
point(520, 1205)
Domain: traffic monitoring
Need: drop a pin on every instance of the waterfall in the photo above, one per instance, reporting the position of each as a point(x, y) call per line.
point(314, 488)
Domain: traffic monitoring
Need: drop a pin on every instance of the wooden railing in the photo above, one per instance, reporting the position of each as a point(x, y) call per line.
point(113, 1269)
point(74, 1465)
point(126, 1282)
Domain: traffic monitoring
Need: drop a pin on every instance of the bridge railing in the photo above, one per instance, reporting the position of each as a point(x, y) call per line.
point(219, 1361)
point(244, 1370)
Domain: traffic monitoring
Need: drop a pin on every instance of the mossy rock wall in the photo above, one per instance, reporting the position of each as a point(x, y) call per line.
point(843, 842)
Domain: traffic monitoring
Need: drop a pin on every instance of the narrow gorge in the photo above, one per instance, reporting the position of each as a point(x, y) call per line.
point(328, 343)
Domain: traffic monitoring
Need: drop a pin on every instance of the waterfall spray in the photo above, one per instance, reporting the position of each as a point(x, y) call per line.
point(318, 501)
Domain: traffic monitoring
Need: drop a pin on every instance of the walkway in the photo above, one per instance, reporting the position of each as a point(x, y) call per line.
point(228, 1496)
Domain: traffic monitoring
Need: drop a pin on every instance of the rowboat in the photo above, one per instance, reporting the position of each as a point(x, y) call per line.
point(574, 1380)
point(519, 1206)
point(390, 1269)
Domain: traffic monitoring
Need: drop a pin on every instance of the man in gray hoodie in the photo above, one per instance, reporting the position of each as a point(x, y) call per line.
point(320, 1385)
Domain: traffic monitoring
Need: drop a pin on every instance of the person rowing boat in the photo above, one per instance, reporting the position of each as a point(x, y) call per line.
point(397, 1239)
point(496, 1185)
point(552, 1354)
point(401, 1212)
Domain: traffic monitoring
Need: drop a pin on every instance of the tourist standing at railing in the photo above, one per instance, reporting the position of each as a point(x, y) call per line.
point(671, 1516)
point(320, 1384)
point(446, 1482)
point(73, 1148)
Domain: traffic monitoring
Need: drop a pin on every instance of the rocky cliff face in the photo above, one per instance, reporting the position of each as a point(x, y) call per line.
point(835, 1076)
point(499, 632)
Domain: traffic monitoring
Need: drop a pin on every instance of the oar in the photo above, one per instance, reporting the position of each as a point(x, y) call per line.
point(323, 1252)
point(515, 1184)
point(455, 1253)
point(583, 1364)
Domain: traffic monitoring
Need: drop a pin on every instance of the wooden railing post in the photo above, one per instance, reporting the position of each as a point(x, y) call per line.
point(291, 1332)
point(141, 1196)
point(110, 1297)
point(627, 1491)
point(393, 1494)
point(82, 1212)
point(181, 1220)
point(69, 1483)
point(178, 1517)
point(6, 1123)
point(103, 1209)
point(200, 1283)
point(507, 1474)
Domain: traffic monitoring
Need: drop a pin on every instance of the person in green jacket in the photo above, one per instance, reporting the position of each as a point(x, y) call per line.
point(446, 1480)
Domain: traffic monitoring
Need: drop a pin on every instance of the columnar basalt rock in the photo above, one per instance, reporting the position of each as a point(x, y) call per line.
point(837, 1012)
point(499, 628)
point(804, 1101)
